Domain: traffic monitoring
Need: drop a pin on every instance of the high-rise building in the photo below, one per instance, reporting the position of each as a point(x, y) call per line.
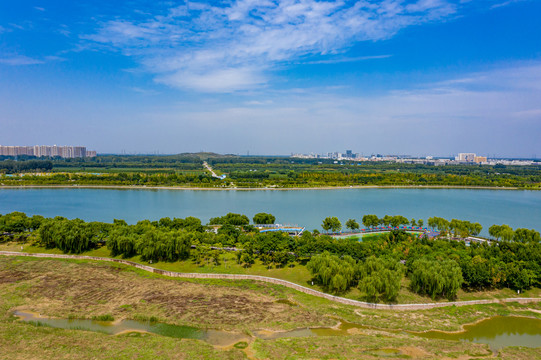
point(44, 150)
point(480, 159)
point(466, 157)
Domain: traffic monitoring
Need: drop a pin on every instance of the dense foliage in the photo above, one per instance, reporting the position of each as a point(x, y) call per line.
point(230, 219)
point(264, 218)
point(380, 278)
point(436, 267)
point(187, 170)
point(12, 166)
point(436, 277)
point(71, 236)
point(334, 273)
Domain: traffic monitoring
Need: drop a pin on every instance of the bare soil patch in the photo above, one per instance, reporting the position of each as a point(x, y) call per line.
point(62, 288)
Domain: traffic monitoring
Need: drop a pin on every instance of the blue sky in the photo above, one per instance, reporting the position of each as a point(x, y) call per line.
point(427, 77)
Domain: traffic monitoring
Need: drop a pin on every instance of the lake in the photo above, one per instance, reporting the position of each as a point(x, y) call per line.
point(517, 208)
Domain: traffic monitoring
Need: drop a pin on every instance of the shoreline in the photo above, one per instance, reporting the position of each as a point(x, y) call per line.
point(142, 187)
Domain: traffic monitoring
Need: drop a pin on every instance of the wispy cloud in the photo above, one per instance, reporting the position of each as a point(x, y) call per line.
point(234, 46)
point(143, 91)
point(38, 8)
point(19, 60)
point(433, 119)
point(54, 58)
point(346, 59)
point(505, 3)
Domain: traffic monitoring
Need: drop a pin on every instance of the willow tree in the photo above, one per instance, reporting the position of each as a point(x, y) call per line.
point(333, 273)
point(436, 278)
point(380, 278)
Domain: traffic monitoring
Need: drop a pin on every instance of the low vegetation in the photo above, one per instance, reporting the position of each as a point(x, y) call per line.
point(256, 172)
point(438, 267)
point(86, 289)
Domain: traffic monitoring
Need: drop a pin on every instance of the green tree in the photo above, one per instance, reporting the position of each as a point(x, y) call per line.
point(327, 224)
point(370, 221)
point(230, 218)
point(264, 218)
point(526, 235)
point(380, 279)
point(336, 225)
point(334, 274)
point(436, 278)
point(495, 231)
point(396, 221)
point(15, 222)
point(352, 224)
point(506, 233)
point(247, 259)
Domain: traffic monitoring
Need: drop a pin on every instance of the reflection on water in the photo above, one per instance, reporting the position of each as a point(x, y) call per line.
point(497, 332)
point(344, 329)
point(303, 207)
point(214, 337)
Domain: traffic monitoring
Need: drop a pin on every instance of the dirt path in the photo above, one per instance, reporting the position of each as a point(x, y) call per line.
point(288, 284)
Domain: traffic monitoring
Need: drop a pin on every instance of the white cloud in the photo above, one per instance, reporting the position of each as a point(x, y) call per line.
point(205, 47)
point(439, 118)
point(505, 3)
point(18, 60)
point(348, 59)
point(220, 80)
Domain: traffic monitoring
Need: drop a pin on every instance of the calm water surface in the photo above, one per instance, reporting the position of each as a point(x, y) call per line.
point(497, 332)
point(518, 208)
point(214, 337)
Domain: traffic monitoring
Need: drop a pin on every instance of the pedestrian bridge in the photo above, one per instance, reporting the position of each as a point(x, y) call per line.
point(293, 230)
point(384, 229)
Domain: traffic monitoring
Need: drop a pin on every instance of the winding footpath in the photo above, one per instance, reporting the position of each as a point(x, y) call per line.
point(266, 279)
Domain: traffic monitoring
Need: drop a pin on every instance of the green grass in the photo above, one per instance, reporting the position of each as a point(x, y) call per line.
point(127, 288)
point(104, 317)
point(298, 274)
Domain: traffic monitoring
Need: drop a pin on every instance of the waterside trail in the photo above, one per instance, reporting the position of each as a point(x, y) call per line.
point(266, 279)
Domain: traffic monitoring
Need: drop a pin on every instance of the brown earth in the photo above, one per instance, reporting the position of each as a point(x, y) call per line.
point(61, 288)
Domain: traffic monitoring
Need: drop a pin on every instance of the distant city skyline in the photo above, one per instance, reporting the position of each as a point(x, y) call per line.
point(64, 151)
point(418, 77)
point(30, 150)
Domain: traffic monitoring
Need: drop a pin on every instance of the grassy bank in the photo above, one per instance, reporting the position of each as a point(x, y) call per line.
point(87, 289)
point(298, 274)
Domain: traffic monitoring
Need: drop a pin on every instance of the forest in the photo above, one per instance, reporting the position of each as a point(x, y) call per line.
point(257, 172)
point(436, 267)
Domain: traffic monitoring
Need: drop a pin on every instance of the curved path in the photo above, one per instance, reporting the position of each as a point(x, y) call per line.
point(275, 281)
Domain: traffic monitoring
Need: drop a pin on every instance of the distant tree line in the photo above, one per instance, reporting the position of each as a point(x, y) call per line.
point(12, 166)
point(258, 172)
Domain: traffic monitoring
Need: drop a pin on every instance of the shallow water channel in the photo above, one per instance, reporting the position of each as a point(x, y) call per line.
point(214, 337)
point(497, 332)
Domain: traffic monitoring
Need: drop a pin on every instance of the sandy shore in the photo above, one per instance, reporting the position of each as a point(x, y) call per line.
point(140, 187)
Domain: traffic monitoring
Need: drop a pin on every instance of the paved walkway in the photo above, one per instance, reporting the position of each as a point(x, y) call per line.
point(266, 279)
